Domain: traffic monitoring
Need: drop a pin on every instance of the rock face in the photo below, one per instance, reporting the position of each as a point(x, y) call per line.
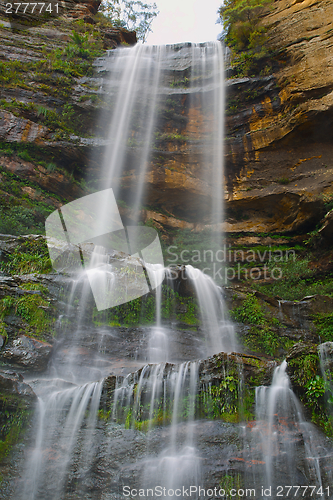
point(27, 352)
point(281, 142)
point(42, 150)
point(278, 151)
point(12, 383)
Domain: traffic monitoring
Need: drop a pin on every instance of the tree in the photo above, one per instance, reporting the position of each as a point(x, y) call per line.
point(131, 14)
point(240, 19)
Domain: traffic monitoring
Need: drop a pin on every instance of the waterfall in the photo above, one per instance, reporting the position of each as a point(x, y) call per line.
point(219, 330)
point(326, 365)
point(158, 348)
point(281, 438)
point(164, 393)
point(159, 95)
point(155, 406)
point(141, 83)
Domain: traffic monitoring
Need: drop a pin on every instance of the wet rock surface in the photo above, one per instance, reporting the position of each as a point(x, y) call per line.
point(12, 383)
point(27, 352)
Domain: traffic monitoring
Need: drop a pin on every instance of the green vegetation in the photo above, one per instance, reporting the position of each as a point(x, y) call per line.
point(30, 256)
point(171, 137)
point(142, 310)
point(319, 399)
point(324, 326)
point(33, 309)
point(313, 391)
point(243, 33)
point(328, 200)
point(249, 312)
point(3, 331)
point(230, 481)
point(19, 220)
point(55, 74)
point(283, 180)
point(185, 82)
point(24, 205)
point(263, 336)
point(222, 401)
point(230, 401)
point(266, 340)
point(14, 417)
point(297, 281)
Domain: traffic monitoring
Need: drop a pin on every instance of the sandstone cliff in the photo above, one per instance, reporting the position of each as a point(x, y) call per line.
point(280, 141)
point(279, 127)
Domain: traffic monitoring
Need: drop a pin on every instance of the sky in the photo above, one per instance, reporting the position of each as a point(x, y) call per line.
point(185, 21)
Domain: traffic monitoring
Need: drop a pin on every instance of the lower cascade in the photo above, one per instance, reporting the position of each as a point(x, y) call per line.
point(145, 429)
point(291, 450)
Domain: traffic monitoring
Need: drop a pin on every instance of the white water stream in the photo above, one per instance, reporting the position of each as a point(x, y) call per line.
point(141, 80)
point(292, 450)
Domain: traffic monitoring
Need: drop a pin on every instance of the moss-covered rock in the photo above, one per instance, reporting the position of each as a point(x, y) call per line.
point(16, 405)
point(305, 371)
point(226, 391)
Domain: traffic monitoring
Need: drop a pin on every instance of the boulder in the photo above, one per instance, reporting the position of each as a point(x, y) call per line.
point(12, 383)
point(27, 352)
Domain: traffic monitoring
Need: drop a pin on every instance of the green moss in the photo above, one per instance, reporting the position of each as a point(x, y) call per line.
point(104, 415)
point(172, 137)
point(160, 418)
point(249, 312)
point(191, 314)
point(304, 367)
point(231, 481)
point(33, 309)
point(3, 331)
point(19, 212)
point(263, 336)
point(297, 281)
point(324, 326)
point(55, 74)
point(14, 417)
point(283, 181)
point(142, 311)
point(264, 339)
point(311, 388)
point(31, 256)
point(228, 401)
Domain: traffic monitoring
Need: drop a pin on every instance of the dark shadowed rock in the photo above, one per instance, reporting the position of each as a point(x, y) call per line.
point(326, 230)
point(27, 352)
point(12, 383)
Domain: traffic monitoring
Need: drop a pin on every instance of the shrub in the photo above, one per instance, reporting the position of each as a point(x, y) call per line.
point(324, 325)
point(242, 32)
point(249, 312)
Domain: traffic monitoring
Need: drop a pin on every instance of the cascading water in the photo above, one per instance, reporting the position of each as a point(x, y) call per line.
point(289, 450)
point(147, 85)
point(166, 393)
point(219, 330)
point(68, 399)
point(141, 81)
